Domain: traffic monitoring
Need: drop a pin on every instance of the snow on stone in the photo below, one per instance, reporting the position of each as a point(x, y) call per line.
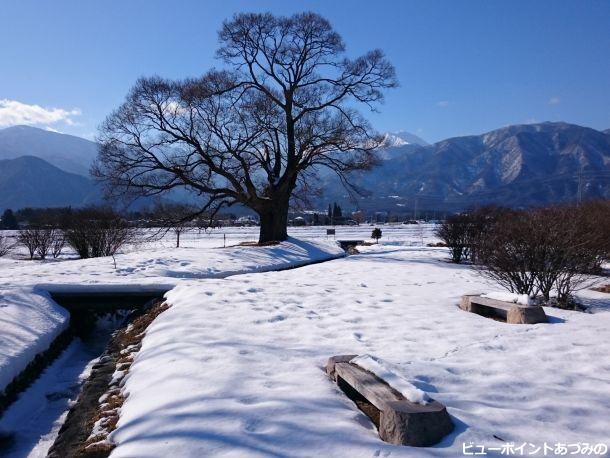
point(382, 370)
point(522, 299)
point(29, 322)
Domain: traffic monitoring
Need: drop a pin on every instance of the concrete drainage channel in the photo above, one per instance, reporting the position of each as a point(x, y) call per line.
point(62, 386)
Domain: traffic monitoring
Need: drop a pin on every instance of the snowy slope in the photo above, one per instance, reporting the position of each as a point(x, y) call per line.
point(235, 367)
point(29, 322)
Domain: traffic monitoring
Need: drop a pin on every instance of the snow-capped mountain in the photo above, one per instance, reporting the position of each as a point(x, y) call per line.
point(402, 138)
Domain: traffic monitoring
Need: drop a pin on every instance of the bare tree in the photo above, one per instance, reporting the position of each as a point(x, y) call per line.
point(174, 217)
point(255, 133)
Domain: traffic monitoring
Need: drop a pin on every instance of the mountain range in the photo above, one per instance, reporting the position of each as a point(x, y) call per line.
point(517, 166)
point(520, 165)
point(29, 181)
point(69, 153)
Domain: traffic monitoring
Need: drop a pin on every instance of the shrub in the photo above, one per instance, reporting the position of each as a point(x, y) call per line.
point(41, 241)
point(59, 241)
point(507, 253)
point(5, 245)
point(29, 239)
point(462, 232)
point(96, 232)
point(376, 234)
point(544, 250)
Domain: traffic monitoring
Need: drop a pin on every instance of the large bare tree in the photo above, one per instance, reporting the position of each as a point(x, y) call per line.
point(256, 132)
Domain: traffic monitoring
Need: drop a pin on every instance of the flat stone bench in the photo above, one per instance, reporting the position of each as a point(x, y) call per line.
point(506, 311)
point(398, 420)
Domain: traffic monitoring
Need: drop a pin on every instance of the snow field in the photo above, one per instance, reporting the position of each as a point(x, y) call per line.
point(30, 320)
point(235, 366)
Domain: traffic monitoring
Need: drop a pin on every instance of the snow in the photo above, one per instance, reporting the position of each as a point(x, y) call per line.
point(235, 366)
point(383, 370)
point(522, 299)
point(165, 264)
point(29, 322)
point(37, 415)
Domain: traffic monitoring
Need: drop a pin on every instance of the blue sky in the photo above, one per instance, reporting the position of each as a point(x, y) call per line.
point(464, 67)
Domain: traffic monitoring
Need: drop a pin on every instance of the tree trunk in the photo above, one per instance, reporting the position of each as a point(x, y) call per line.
point(274, 222)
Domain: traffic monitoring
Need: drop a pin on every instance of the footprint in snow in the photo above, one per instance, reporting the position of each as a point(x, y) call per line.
point(248, 400)
point(276, 318)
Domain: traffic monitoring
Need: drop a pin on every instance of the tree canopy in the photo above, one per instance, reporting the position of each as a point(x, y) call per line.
point(256, 131)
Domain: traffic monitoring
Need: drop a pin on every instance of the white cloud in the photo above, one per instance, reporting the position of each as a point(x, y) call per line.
point(14, 113)
point(554, 101)
point(442, 103)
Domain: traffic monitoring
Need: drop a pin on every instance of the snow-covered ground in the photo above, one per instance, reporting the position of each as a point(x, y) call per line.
point(30, 320)
point(235, 367)
point(36, 417)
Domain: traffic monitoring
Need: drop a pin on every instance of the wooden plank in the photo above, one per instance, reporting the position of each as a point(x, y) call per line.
point(369, 386)
point(486, 301)
point(401, 421)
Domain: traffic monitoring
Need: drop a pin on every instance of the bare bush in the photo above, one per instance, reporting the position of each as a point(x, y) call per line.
point(454, 233)
point(59, 241)
point(29, 239)
point(46, 239)
point(546, 250)
point(41, 241)
point(462, 232)
point(96, 232)
point(5, 245)
point(506, 253)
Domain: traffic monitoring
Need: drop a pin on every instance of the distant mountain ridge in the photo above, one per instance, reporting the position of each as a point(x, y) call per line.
point(69, 153)
point(520, 165)
point(29, 181)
